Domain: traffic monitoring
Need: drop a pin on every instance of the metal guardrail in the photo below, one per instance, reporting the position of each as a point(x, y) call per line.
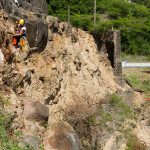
point(135, 65)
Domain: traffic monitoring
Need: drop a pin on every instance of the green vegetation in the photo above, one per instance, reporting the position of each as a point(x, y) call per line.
point(120, 107)
point(133, 19)
point(140, 84)
point(6, 141)
point(138, 79)
point(116, 115)
point(144, 2)
point(116, 112)
point(5, 119)
point(134, 144)
point(135, 58)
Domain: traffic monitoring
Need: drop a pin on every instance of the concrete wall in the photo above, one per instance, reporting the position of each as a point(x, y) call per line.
point(109, 43)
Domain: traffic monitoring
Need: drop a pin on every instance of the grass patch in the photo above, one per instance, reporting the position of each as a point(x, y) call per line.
point(113, 116)
point(18, 134)
point(6, 142)
point(134, 144)
point(148, 58)
point(123, 110)
point(136, 83)
point(115, 112)
point(135, 58)
point(105, 117)
point(4, 101)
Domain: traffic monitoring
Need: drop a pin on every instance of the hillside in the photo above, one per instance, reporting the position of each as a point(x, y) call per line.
point(131, 18)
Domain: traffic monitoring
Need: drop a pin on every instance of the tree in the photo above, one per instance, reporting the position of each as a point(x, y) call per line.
point(143, 2)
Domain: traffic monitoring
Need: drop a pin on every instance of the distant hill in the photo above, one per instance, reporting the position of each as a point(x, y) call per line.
point(132, 18)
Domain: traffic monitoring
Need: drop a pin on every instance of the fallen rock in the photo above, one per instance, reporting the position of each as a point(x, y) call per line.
point(35, 111)
point(61, 136)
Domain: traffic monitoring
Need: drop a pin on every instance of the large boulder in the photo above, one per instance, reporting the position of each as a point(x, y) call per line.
point(61, 136)
point(37, 34)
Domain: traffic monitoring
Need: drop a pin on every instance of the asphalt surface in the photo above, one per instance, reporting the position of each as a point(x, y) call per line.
point(135, 65)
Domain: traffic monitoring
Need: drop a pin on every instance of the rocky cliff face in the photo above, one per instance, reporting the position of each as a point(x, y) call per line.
point(33, 12)
point(58, 90)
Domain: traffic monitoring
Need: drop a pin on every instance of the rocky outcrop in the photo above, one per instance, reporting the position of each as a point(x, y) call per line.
point(35, 111)
point(36, 6)
point(33, 13)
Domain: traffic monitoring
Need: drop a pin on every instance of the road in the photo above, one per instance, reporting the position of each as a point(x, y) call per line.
point(135, 65)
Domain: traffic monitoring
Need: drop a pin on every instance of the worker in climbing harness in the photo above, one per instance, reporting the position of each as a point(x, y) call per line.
point(21, 35)
point(23, 41)
point(20, 44)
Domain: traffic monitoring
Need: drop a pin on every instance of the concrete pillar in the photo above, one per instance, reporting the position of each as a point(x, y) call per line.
point(117, 53)
point(110, 43)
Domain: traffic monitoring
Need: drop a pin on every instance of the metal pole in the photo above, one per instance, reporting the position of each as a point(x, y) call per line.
point(94, 13)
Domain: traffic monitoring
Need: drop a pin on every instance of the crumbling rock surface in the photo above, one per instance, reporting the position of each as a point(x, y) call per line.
point(33, 13)
point(36, 6)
